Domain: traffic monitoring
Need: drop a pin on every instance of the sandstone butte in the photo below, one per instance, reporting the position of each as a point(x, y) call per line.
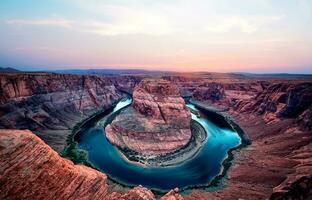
point(30, 169)
point(157, 122)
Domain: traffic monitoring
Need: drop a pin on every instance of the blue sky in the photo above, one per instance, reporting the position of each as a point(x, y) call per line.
point(198, 35)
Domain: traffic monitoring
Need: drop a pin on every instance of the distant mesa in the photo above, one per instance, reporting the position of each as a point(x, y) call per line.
point(111, 71)
point(8, 70)
point(157, 122)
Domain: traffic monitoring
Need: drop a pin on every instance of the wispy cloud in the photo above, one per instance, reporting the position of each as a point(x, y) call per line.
point(163, 32)
point(123, 21)
point(123, 18)
point(42, 22)
point(126, 20)
point(244, 24)
point(136, 22)
point(163, 18)
point(38, 48)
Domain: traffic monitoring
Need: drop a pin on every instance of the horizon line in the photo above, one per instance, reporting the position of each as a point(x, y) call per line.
point(153, 70)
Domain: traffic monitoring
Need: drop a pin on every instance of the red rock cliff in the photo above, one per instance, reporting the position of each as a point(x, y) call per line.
point(51, 104)
point(30, 169)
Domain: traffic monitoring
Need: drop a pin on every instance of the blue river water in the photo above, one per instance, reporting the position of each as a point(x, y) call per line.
point(199, 170)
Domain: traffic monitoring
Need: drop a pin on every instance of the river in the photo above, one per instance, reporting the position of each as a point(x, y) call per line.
point(201, 169)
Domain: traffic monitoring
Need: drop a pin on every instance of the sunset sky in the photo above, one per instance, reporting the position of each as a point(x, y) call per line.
point(195, 35)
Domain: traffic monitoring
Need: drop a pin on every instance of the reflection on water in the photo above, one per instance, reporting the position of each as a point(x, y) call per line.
point(123, 103)
point(199, 170)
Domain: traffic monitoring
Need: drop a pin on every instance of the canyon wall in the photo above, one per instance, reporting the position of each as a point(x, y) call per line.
point(281, 100)
point(276, 114)
point(271, 98)
point(30, 169)
point(52, 104)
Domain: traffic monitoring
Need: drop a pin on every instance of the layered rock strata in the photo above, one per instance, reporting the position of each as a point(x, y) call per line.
point(277, 118)
point(280, 101)
point(158, 121)
point(30, 169)
point(276, 165)
point(51, 104)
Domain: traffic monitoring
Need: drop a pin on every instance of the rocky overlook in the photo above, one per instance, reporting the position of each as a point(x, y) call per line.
point(27, 161)
point(157, 122)
point(30, 169)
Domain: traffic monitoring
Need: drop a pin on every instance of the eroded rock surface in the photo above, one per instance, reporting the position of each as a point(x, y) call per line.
point(277, 118)
point(52, 104)
point(30, 169)
point(157, 122)
point(276, 165)
point(209, 91)
point(280, 101)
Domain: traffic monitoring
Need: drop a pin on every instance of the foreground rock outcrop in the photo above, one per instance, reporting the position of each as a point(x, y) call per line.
point(157, 122)
point(52, 104)
point(30, 169)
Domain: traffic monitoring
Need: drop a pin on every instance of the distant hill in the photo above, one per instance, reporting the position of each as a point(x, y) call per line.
point(277, 75)
point(111, 71)
point(8, 70)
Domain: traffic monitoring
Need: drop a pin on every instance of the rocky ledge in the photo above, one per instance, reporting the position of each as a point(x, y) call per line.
point(158, 121)
point(30, 169)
